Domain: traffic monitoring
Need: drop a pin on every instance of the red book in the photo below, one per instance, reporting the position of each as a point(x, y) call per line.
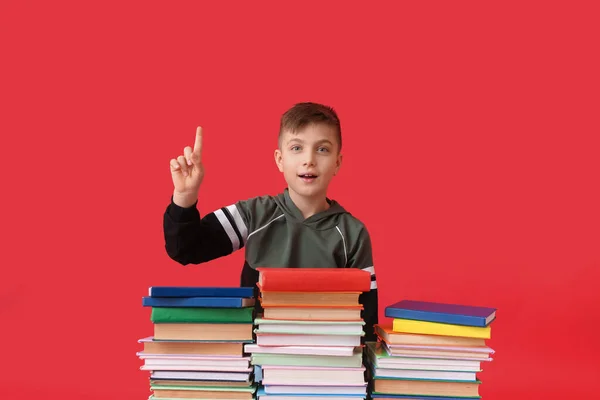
point(313, 280)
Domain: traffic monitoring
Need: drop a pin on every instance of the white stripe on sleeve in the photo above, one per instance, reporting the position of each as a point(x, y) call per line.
point(235, 242)
point(237, 217)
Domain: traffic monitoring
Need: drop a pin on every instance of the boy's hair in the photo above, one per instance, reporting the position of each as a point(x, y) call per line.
point(303, 114)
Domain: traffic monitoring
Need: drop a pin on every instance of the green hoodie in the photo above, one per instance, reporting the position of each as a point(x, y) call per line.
point(274, 234)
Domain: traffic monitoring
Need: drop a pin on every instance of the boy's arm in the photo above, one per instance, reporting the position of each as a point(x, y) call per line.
point(190, 239)
point(361, 256)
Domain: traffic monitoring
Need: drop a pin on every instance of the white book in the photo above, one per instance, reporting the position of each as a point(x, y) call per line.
point(321, 329)
point(414, 374)
point(204, 376)
point(426, 367)
point(307, 350)
point(217, 358)
point(294, 389)
point(307, 340)
point(303, 397)
point(430, 361)
point(213, 368)
point(215, 365)
point(317, 376)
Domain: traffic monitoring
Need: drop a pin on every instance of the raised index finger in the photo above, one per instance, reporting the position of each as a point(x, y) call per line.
point(198, 142)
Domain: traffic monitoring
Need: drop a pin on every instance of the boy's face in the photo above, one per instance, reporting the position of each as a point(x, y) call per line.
point(309, 159)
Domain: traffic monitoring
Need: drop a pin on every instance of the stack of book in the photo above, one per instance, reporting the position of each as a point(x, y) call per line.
point(197, 351)
point(431, 351)
point(309, 338)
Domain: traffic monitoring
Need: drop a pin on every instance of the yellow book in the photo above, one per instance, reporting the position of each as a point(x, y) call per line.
point(436, 328)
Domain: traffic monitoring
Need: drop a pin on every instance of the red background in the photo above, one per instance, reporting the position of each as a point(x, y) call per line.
point(471, 153)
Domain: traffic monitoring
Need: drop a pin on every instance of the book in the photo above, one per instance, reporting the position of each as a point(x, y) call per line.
point(301, 350)
point(321, 280)
point(322, 376)
point(199, 291)
point(314, 313)
point(436, 328)
point(353, 361)
point(202, 315)
point(440, 312)
point(309, 298)
point(316, 390)
point(191, 347)
point(315, 395)
point(202, 392)
point(201, 376)
point(413, 397)
point(216, 332)
point(378, 356)
point(207, 302)
point(386, 333)
point(425, 387)
point(267, 339)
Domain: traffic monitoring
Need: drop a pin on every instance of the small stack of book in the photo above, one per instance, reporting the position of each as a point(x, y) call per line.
point(309, 339)
point(431, 351)
point(196, 351)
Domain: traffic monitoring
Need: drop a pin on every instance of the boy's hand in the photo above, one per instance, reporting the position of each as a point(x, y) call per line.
point(187, 172)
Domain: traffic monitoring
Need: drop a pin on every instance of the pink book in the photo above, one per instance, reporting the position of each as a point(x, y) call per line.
point(443, 348)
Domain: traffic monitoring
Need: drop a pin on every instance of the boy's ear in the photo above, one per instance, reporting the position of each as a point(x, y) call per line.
point(338, 163)
point(278, 160)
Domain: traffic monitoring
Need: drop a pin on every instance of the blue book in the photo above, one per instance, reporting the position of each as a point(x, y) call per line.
point(199, 291)
point(443, 313)
point(204, 302)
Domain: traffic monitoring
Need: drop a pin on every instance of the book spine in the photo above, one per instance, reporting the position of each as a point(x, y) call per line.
point(214, 302)
point(454, 319)
point(296, 283)
point(201, 315)
point(435, 328)
point(169, 291)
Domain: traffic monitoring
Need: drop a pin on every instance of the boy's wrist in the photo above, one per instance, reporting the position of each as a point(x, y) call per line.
point(184, 200)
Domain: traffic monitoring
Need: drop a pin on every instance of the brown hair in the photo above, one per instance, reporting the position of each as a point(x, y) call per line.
point(303, 114)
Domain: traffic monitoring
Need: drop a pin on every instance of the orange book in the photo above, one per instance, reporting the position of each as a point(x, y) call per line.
point(329, 299)
point(313, 280)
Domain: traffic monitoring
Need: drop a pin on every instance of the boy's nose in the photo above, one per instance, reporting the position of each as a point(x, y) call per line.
point(309, 160)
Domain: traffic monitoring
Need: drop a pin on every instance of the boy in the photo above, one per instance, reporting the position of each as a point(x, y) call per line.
point(298, 228)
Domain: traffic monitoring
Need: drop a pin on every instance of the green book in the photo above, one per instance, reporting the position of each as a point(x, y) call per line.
point(202, 315)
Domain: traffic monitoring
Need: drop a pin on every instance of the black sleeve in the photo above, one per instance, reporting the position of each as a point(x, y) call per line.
point(192, 240)
point(361, 256)
point(370, 302)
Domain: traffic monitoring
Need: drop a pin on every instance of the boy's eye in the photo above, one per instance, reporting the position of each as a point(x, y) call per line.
point(295, 148)
point(323, 149)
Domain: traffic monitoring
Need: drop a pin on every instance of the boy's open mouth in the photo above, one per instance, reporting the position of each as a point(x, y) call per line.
point(307, 177)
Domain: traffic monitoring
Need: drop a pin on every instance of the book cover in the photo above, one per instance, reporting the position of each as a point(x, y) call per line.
point(198, 291)
point(440, 312)
point(436, 328)
point(376, 395)
point(205, 315)
point(210, 302)
point(314, 280)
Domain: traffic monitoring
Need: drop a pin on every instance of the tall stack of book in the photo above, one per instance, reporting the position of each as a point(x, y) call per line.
point(308, 340)
point(431, 351)
point(197, 351)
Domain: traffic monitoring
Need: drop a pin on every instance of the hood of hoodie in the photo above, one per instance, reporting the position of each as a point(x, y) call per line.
point(323, 220)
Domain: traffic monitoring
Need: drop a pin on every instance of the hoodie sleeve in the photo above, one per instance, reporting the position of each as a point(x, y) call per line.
point(361, 256)
point(190, 239)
